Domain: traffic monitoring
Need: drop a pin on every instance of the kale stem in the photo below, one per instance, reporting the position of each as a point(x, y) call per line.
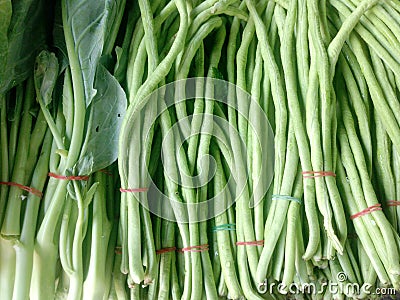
point(11, 226)
point(15, 124)
point(76, 278)
point(4, 156)
point(25, 249)
point(79, 93)
point(95, 280)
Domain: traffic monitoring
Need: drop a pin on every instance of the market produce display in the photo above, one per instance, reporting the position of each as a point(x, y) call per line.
point(186, 149)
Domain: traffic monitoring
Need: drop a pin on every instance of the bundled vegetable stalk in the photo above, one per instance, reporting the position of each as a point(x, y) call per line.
point(26, 150)
point(193, 236)
point(23, 139)
point(83, 115)
point(301, 97)
point(84, 127)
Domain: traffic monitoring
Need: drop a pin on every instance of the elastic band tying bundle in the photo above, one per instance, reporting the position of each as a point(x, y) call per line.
point(285, 197)
point(200, 248)
point(62, 177)
point(314, 174)
point(166, 250)
point(28, 189)
point(252, 243)
point(366, 211)
point(393, 203)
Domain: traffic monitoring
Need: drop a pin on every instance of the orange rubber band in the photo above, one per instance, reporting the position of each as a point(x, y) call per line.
point(137, 190)
point(314, 174)
point(200, 248)
point(166, 250)
point(62, 177)
point(393, 203)
point(366, 211)
point(29, 189)
point(253, 243)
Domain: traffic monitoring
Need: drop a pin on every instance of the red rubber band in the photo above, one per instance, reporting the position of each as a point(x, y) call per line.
point(62, 177)
point(118, 250)
point(393, 203)
point(166, 250)
point(253, 243)
point(200, 248)
point(366, 211)
point(137, 190)
point(314, 174)
point(31, 190)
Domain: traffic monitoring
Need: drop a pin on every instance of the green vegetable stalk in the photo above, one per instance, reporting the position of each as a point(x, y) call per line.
point(96, 106)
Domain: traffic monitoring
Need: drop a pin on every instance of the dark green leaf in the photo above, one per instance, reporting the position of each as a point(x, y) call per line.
point(106, 114)
point(87, 21)
point(5, 19)
point(26, 37)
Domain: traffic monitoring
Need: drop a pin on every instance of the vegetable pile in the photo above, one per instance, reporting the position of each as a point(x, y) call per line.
point(186, 149)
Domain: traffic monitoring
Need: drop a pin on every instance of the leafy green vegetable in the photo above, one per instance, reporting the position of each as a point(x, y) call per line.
point(87, 21)
point(106, 113)
point(25, 37)
point(5, 19)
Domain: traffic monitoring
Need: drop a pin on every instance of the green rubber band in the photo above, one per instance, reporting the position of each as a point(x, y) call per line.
point(285, 197)
point(224, 227)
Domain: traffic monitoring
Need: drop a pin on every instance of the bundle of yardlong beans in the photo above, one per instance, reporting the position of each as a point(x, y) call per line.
point(186, 149)
point(325, 73)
